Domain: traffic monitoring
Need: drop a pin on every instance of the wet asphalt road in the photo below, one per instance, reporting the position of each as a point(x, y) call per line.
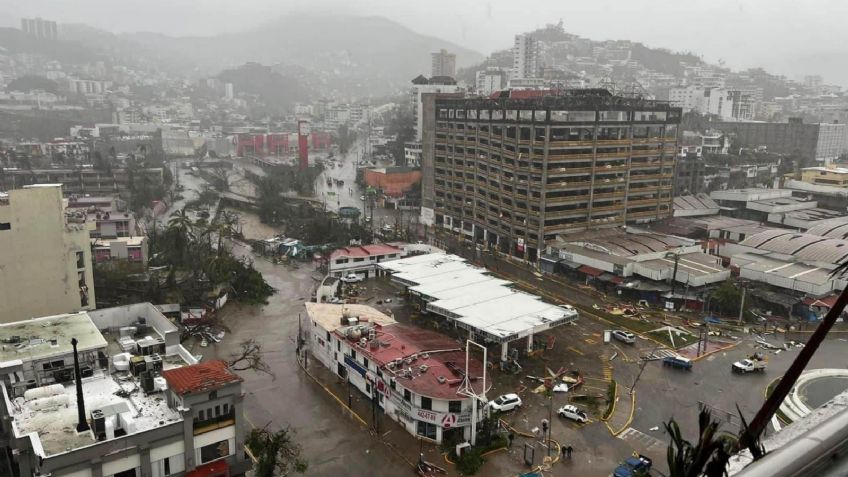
point(333, 443)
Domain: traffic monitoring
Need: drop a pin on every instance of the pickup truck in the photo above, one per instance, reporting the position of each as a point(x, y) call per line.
point(635, 466)
point(749, 366)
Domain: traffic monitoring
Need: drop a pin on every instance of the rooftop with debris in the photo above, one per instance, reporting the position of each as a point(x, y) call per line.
point(48, 414)
point(48, 336)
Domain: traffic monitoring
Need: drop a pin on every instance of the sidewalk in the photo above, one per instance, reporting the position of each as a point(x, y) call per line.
point(622, 415)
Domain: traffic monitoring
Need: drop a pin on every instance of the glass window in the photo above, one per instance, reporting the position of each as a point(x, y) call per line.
point(512, 114)
point(613, 116)
point(426, 403)
point(454, 406)
point(425, 429)
point(214, 451)
point(407, 396)
point(540, 115)
point(443, 114)
point(572, 116)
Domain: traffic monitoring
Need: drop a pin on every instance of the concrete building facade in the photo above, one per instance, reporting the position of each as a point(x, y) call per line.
point(490, 80)
point(814, 143)
point(705, 100)
point(422, 86)
point(45, 262)
point(443, 63)
point(40, 28)
point(514, 173)
point(525, 57)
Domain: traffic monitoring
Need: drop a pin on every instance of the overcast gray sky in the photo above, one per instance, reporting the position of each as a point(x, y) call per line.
point(789, 37)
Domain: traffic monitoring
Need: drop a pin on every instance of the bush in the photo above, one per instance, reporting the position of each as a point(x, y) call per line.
point(470, 462)
point(611, 390)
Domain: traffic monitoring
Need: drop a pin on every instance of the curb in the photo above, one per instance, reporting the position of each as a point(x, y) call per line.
point(732, 345)
point(629, 418)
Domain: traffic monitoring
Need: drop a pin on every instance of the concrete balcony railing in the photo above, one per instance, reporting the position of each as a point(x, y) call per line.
point(567, 185)
point(564, 214)
point(643, 214)
point(608, 195)
point(569, 170)
point(566, 200)
point(643, 202)
point(571, 143)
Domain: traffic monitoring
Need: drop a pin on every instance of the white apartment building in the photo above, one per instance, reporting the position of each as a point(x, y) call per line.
point(490, 80)
point(443, 64)
point(714, 101)
point(525, 57)
point(422, 86)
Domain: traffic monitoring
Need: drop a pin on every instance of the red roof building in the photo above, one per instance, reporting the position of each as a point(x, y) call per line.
point(199, 378)
point(361, 258)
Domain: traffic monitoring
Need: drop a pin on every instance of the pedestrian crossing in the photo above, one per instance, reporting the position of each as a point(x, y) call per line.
point(607, 370)
point(640, 441)
point(659, 354)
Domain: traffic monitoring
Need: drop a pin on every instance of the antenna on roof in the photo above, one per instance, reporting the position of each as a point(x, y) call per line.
point(82, 425)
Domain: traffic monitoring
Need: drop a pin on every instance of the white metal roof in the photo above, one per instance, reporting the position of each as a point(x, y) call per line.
point(474, 300)
point(458, 286)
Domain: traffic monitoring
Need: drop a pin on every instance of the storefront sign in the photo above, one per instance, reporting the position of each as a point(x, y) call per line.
point(351, 363)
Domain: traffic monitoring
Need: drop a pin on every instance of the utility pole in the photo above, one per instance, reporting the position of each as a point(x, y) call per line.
point(674, 273)
point(642, 369)
point(550, 416)
point(742, 303)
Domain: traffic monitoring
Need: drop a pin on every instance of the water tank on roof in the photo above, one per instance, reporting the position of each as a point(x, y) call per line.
point(51, 402)
point(44, 391)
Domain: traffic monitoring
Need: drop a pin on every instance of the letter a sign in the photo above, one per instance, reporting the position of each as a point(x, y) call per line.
point(449, 421)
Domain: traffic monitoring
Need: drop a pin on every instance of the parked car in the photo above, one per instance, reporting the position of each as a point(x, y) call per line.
point(504, 403)
point(352, 278)
point(571, 412)
point(678, 362)
point(635, 465)
point(624, 336)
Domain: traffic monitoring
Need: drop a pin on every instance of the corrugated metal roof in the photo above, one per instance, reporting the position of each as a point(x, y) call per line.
point(803, 246)
point(201, 377)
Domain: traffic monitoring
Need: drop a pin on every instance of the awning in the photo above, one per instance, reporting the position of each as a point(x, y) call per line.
point(215, 469)
point(609, 277)
point(570, 264)
point(590, 271)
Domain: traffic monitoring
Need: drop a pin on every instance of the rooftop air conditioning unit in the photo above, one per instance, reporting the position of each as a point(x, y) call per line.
point(441, 379)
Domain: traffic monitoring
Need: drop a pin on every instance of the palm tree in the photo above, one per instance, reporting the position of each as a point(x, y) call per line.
point(180, 237)
point(708, 456)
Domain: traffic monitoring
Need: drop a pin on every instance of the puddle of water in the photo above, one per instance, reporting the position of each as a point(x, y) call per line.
point(819, 391)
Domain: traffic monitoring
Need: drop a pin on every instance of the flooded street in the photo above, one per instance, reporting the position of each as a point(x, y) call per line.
point(333, 443)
